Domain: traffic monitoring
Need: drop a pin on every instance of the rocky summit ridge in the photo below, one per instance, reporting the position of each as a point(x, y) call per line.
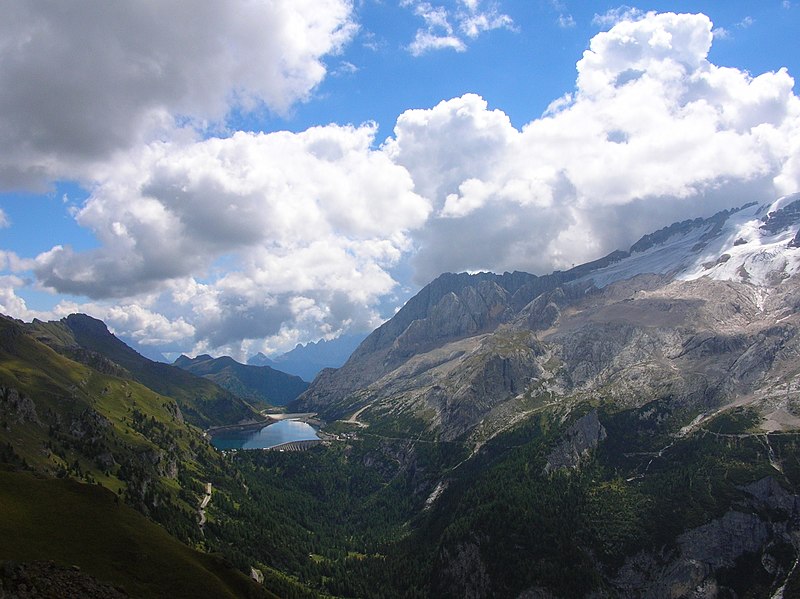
point(703, 312)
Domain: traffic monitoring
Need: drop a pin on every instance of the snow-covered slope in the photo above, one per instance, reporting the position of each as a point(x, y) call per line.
point(756, 244)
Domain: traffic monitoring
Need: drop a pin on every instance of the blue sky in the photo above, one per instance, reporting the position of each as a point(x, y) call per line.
point(232, 178)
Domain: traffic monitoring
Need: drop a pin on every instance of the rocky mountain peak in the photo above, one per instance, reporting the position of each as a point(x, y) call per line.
point(87, 324)
point(688, 311)
point(753, 244)
point(782, 214)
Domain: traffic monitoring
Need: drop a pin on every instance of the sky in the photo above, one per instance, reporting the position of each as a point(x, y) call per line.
point(236, 176)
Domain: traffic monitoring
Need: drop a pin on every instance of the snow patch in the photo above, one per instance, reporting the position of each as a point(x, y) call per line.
point(668, 257)
point(738, 249)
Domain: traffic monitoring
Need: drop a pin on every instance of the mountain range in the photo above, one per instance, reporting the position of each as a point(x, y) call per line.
point(256, 384)
point(702, 311)
point(688, 338)
point(307, 360)
point(626, 428)
point(88, 341)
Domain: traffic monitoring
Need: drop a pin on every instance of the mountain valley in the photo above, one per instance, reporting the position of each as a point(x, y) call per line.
point(257, 384)
point(626, 428)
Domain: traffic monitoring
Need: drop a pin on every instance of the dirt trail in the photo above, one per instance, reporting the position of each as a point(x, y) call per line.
point(203, 504)
point(354, 418)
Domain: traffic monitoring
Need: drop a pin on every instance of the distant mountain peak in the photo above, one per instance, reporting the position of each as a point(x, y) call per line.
point(307, 360)
point(466, 344)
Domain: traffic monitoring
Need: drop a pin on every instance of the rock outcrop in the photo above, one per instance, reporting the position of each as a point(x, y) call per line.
point(768, 521)
point(702, 312)
point(578, 440)
point(16, 407)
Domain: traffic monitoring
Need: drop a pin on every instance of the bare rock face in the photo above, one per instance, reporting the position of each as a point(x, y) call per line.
point(627, 329)
point(579, 439)
point(767, 520)
point(783, 217)
point(451, 308)
point(702, 344)
point(16, 407)
point(174, 411)
point(494, 373)
point(90, 425)
point(464, 573)
point(475, 310)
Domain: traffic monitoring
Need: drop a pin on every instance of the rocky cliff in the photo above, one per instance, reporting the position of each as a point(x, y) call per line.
point(702, 312)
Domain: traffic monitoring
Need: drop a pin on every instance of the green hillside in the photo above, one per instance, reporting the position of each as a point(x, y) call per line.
point(104, 441)
point(87, 526)
point(257, 384)
point(62, 418)
point(567, 501)
point(87, 340)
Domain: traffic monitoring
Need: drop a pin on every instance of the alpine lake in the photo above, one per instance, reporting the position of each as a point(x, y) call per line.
point(278, 433)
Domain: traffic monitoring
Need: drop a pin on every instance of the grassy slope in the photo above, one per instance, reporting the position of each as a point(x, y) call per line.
point(202, 401)
point(62, 390)
point(139, 424)
point(85, 525)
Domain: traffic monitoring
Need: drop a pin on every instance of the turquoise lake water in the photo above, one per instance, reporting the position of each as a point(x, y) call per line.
point(281, 432)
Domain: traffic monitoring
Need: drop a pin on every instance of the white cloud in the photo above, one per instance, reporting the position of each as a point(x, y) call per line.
point(4, 220)
point(566, 21)
point(258, 241)
point(10, 303)
point(458, 136)
point(653, 133)
point(261, 219)
point(617, 15)
point(425, 41)
point(10, 261)
point(80, 80)
point(446, 27)
point(473, 19)
point(345, 68)
point(720, 33)
point(132, 320)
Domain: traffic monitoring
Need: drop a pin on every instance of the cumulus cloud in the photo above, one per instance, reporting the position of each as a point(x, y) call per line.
point(257, 241)
point(135, 319)
point(248, 233)
point(653, 133)
point(80, 80)
point(11, 262)
point(448, 27)
point(11, 304)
